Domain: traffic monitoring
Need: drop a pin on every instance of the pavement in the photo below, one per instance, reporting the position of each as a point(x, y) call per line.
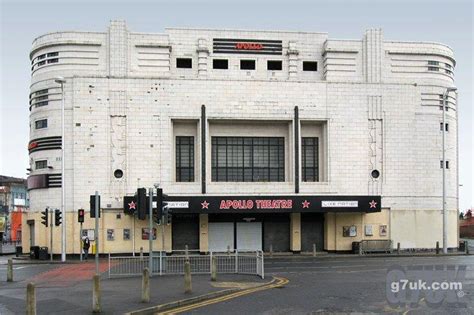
point(67, 289)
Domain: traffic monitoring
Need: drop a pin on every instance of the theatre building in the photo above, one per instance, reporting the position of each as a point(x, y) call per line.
point(258, 139)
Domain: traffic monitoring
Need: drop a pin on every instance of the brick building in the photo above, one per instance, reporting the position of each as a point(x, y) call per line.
point(275, 139)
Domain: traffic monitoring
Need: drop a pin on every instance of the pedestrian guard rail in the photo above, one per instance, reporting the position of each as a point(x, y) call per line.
point(375, 246)
point(238, 262)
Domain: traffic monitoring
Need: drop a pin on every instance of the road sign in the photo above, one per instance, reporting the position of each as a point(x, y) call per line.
point(177, 204)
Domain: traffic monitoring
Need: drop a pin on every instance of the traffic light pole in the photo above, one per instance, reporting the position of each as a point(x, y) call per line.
point(96, 233)
point(150, 232)
point(80, 242)
point(51, 237)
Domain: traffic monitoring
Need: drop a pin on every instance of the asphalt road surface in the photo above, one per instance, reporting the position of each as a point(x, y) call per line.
point(344, 285)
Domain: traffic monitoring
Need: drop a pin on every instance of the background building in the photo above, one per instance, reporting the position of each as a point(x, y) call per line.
point(275, 139)
point(14, 201)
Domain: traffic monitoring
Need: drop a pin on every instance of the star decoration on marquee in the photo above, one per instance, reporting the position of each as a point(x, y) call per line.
point(205, 205)
point(306, 204)
point(132, 205)
point(373, 204)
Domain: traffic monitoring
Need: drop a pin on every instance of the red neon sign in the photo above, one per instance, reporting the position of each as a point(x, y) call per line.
point(249, 46)
point(32, 145)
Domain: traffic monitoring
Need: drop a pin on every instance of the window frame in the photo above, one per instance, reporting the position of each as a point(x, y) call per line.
point(43, 126)
point(248, 60)
point(41, 161)
point(308, 63)
point(220, 60)
point(183, 59)
point(310, 173)
point(275, 62)
point(179, 176)
point(247, 159)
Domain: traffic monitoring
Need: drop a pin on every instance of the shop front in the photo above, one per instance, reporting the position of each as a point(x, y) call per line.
point(268, 223)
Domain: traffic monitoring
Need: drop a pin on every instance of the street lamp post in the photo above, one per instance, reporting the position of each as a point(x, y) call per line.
point(61, 81)
point(445, 214)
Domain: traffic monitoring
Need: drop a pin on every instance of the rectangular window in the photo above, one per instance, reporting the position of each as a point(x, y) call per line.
point(433, 63)
point(274, 65)
point(40, 124)
point(433, 69)
point(41, 63)
point(184, 63)
point(446, 126)
point(447, 164)
point(185, 159)
point(247, 64)
point(54, 60)
point(310, 161)
point(248, 159)
point(220, 64)
point(53, 54)
point(41, 164)
point(310, 66)
point(41, 56)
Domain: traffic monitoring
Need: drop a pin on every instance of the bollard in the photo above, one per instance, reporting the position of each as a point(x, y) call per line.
point(10, 271)
point(146, 286)
point(466, 247)
point(228, 249)
point(186, 252)
point(96, 294)
point(271, 250)
point(398, 248)
point(213, 269)
point(437, 247)
point(314, 250)
point(30, 299)
point(187, 277)
point(141, 252)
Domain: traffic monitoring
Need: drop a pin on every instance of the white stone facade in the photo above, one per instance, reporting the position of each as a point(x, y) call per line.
point(375, 103)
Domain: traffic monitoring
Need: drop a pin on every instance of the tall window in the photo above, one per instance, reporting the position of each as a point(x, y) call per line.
point(310, 153)
point(248, 159)
point(185, 159)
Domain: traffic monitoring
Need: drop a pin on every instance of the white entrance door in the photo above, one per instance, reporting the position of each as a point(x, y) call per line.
point(221, 235)
point(249, 235)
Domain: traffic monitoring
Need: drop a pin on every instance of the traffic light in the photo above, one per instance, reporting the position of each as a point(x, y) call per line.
point(141, 203)
point(92, 206)
point(80, 215)
point(57, 217)
point(158, 211)
point(45, 217)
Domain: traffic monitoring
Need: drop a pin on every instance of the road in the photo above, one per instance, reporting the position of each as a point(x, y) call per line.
point(340, 285)
point(332, 284)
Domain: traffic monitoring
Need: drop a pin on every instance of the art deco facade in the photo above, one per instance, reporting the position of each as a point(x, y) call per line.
point(275, 139)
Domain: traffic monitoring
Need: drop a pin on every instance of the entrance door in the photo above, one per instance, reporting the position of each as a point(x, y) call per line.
point(249, 235)
point(312, 231)
point(276, 233)
point(185, 231)
point(221, 236)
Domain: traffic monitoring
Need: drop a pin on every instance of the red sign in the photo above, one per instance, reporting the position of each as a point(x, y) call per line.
point(249, 46)
point(32, 145)
point(257, 204)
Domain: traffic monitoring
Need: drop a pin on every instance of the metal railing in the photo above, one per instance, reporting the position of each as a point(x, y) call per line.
point(251, 263)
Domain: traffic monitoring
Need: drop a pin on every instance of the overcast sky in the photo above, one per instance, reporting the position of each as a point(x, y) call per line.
point(448, 22)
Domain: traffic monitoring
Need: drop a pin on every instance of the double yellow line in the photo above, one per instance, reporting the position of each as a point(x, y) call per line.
point(277, 282)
